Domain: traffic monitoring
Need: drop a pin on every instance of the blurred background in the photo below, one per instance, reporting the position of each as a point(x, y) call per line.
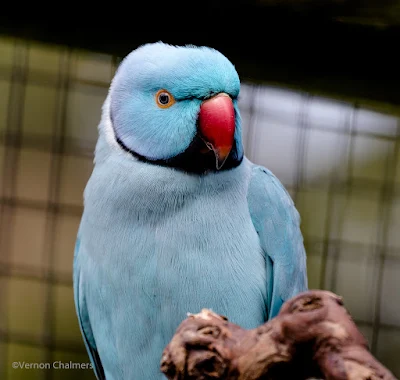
point(320, 105)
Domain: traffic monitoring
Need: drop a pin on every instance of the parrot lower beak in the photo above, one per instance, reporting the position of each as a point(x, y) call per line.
point(217, 126)
point(221, 155)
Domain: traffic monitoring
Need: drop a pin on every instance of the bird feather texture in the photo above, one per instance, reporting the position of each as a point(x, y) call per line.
point(155, 242)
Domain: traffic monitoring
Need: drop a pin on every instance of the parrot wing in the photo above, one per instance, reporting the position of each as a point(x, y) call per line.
point(83, 317)
point(277, 223)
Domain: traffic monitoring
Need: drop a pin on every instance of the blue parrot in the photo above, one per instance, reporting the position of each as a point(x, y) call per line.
point(176, 218)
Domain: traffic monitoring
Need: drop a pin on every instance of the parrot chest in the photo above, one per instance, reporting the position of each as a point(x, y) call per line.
point(199, 252)
point(152, 260)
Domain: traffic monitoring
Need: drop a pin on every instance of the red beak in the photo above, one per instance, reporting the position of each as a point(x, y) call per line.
point(217, 126)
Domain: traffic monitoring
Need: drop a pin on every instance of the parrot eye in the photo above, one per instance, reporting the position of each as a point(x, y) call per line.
point(164, 99)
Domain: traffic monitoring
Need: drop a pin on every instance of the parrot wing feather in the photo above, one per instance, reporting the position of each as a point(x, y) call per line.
point(83, 318)
point(277, 223)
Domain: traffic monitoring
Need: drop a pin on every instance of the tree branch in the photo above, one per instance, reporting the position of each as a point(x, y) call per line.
point(313, 336)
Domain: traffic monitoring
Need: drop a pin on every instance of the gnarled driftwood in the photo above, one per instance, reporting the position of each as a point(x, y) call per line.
point(312, 337)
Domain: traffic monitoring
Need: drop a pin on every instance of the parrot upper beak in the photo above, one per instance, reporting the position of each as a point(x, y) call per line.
point(217, 126)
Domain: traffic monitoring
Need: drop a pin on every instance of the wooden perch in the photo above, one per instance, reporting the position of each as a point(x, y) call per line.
point(312, 337)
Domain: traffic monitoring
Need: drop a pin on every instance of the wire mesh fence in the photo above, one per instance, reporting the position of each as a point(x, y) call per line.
point(339, 161)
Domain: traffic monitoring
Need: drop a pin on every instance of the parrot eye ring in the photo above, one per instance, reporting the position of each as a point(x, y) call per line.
point(164, 99)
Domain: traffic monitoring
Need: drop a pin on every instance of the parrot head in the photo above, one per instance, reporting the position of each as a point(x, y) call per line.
point(176, 106)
